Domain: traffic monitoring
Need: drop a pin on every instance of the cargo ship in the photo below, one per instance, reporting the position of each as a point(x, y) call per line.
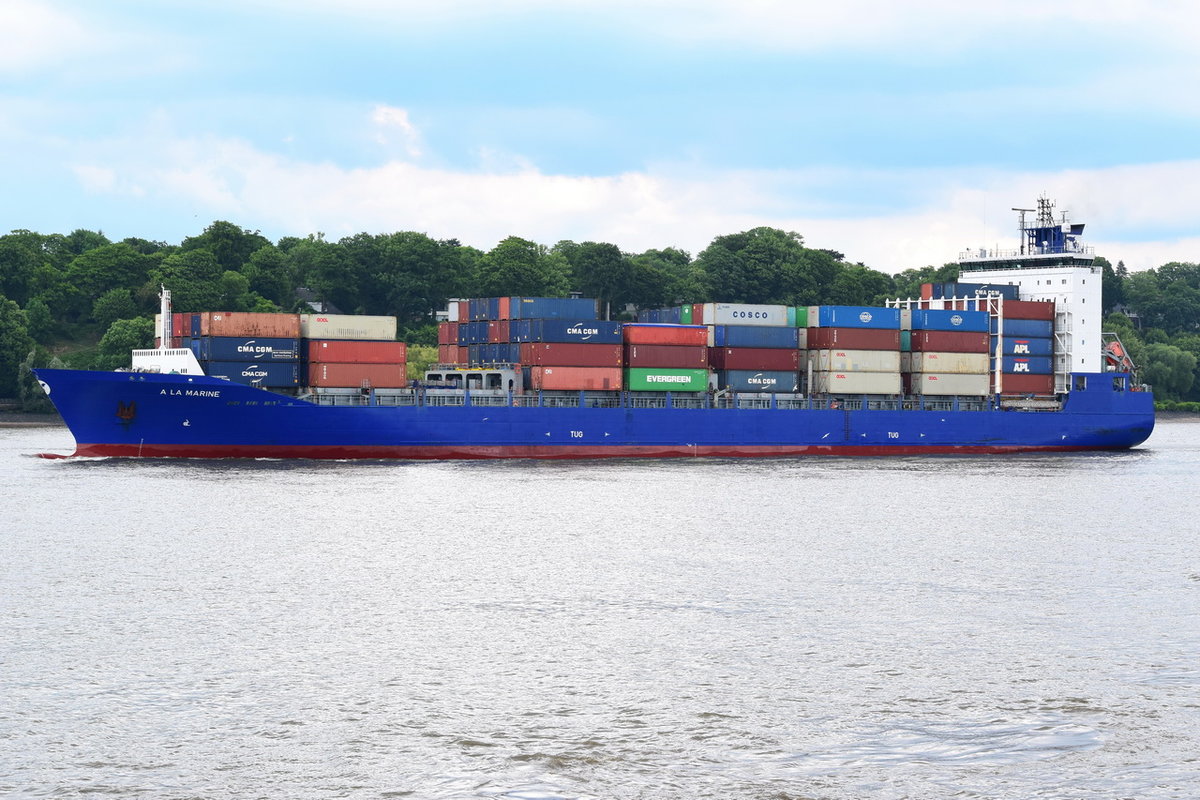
point(1014, 361)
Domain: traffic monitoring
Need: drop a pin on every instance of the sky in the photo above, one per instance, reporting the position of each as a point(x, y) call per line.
point(899, 134)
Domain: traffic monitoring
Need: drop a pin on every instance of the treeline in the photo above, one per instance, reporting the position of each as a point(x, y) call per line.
point(84, 301)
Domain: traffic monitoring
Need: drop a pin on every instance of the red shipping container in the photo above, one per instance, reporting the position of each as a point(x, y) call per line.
point(566, 354)
point(339, 351)
point(378, 376)
point(571, 379)
point(505, 309)
point(494, 332)
point(464, 355)
point(447, 333)
point(926, 291)
point(648, 333)
point(447, 354)
point(464, 310)
point(697, 313)
point(854, 339)
point(245, 323)
point(1029, 309)
point(673, 356)
point(1026, 384)
point(181, 324)
point(948, 342)
point(755, 358)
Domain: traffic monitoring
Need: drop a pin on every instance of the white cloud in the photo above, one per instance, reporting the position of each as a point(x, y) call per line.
point(391, 124)
point(34, 35)
point(955, 211)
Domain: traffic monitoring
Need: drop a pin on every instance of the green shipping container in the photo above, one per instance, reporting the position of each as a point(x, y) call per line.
point(646, 379)
point(906, 341)
point(685, 314)
point(801, 316)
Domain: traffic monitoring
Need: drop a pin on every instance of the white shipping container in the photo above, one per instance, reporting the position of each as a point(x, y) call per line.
point(744, 314)
point(855, 360)
point(347, 326)
point(943, 383)
point(803, 338)
point(855, 383)
point(952, 363)
point(906, 319)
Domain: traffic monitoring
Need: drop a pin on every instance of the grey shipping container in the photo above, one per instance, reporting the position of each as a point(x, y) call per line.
point(855, 360)
point(347, 326)
point(856, 383)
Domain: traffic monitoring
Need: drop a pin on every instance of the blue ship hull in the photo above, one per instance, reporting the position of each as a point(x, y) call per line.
point(156, 415)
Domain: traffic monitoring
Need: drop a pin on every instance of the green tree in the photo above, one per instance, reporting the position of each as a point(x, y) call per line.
point(20, 255)
point(123, 336)
point(33, 397)
point(763, 265)
point(908, 282)
point(102, 269)
point(327, 270)
point(113, 305)
point(1168, 369)
point(80, 241)
point(602, 271)
point(664, 277)
point(518, 266)
point(15, 344)
point(270, 275)
point(40, 321)
point(857, 285)
point(230, 245)
point(193, 278)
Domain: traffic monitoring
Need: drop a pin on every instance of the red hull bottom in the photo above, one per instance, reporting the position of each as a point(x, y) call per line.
point(436, 452)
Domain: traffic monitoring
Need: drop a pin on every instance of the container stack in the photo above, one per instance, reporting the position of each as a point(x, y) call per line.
point(256, 349)
point(753, 348)
point(1023, 330)
point(557, 343)
point(948, 352)
point(665, 357)
point(1026, 345)
point(854, 350)
point(352, 352)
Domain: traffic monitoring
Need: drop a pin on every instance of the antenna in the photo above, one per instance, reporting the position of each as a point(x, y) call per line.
point(1021, 225)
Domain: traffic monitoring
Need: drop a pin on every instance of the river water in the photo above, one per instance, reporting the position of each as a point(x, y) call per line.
point(998, 627)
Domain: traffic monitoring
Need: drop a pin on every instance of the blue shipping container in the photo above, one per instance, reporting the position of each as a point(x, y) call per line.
point(856, 317)
point(745, 380)
point(756, 336)
point(926, 319)
point(1007, 291)
point(582, 331)
point(1025, 346)
point(552, 307)
point(234, 348)
point(1029, 328)
point(194, 324)
point(1028, 365)
point(275, 374)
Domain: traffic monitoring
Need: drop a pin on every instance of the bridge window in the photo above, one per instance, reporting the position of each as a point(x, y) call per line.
point(1080, 383)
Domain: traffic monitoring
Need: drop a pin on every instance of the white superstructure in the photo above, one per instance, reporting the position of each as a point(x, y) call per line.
point(1052, 264)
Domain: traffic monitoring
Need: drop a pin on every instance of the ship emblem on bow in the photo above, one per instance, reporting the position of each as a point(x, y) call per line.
point(126, 412)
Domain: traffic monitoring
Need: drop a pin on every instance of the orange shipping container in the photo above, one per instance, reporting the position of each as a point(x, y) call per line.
point(571, 379)
point(377, 376)
point(649, 333)
point(346, 351)
point(247, 324)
